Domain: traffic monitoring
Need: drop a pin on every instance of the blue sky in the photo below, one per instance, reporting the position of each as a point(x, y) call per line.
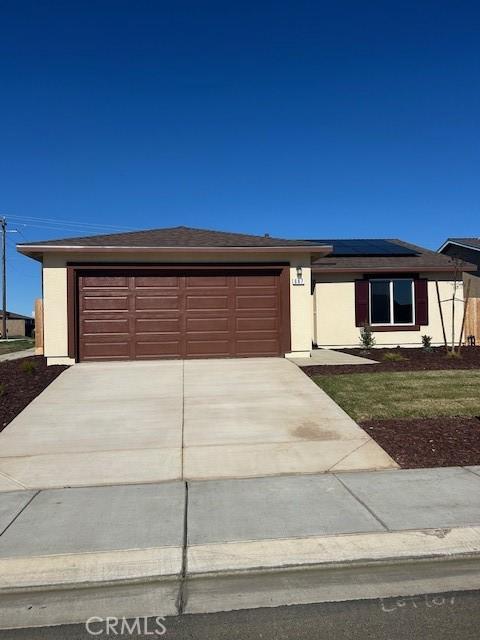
point(293, 118)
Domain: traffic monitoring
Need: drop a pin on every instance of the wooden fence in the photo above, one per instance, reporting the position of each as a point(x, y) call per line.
point(472, 320)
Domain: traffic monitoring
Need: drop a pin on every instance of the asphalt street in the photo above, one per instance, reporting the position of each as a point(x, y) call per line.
point(451, 616)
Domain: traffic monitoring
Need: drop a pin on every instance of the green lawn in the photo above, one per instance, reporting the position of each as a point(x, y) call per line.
point(16, 345)
point(413, 394)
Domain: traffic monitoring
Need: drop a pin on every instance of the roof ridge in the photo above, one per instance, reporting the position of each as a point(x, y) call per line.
point(178, 236)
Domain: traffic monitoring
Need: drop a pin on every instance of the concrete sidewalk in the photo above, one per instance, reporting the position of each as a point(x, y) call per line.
point(322, 357)
point(169, 548)
point(17, 355)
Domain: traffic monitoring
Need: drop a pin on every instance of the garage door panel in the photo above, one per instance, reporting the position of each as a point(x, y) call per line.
point(207, 324)
point(106, 351)
point(207, 302)
point(208, 348)
point(105, 282)
point(158, 349)
point(212, 336)
point(256, 281)
point(256, 336)
point(255, 293)
point(157, 325)
point(220, 314)
point(157, 282)
point(103, 303)
point(104, 338)
point(206, 281)
point(160, 338)
point(254, 302)
point(257, 324)
point(257, 347)
point(99, 327)
point(153, 303)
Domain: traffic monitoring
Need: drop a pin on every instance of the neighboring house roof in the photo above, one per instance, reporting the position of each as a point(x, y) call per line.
point(469, 243)
point(15, 316)
point(174, 237)
point(410, 258)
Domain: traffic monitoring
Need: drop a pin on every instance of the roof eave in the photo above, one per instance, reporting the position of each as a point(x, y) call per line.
point(36, 251)
point(393, 269)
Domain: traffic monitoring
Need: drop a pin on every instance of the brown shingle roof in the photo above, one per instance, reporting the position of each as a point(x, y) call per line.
point(423, 260)
point(173, 237)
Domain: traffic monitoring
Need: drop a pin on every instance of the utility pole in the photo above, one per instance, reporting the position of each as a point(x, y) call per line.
point(3, 224)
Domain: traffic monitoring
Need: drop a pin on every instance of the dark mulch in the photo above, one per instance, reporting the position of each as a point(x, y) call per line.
point(428, 442)
point(416, 359)
point(19, 386)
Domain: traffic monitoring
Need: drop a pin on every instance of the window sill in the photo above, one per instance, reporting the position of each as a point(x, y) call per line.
point(395, 327)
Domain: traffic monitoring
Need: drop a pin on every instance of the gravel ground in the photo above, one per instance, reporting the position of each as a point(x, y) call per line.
point(428, 442)
point(412, 360)
point(20, 382)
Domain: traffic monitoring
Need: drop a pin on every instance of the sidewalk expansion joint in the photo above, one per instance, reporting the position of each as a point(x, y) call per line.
point(183, 422)
point(20, 512)
point(364, 504)
point(182, 590)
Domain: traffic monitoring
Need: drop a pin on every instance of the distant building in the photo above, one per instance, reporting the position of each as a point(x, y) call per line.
point(17, 325)
point(468, 250)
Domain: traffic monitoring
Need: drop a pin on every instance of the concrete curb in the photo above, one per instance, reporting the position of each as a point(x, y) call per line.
point(69, 588)
point(64, 570)
point(52, 590)
point(334, 583)
point(324, 550)
point(332, 568)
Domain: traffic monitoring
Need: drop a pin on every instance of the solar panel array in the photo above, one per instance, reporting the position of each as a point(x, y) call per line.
point(366, 248)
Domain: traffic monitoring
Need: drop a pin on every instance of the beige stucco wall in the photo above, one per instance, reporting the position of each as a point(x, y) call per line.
point(334, 308)
point(55, 334)
point(301, 307)
point(55, 292)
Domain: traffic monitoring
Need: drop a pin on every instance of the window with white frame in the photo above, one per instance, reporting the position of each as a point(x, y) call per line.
point(392, 301)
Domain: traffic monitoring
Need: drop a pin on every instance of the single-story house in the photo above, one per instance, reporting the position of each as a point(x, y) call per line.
point(18, 326)
point(182, 292)
point(468, 250)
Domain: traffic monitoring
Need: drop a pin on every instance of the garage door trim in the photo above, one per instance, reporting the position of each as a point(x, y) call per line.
point(74, 271)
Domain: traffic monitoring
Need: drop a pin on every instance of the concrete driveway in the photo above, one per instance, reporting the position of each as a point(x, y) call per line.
point(137, 422)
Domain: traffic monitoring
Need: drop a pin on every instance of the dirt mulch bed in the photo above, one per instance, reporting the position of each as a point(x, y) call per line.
point(428, 442)
point(20, 382)
point(415, 359)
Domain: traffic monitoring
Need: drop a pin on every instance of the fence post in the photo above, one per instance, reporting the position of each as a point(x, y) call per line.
point(39, 327)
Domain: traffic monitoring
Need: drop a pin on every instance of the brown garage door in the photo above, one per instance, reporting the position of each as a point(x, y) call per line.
point(141, 315)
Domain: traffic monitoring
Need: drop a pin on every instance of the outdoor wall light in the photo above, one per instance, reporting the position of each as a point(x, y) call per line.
point(299, 273)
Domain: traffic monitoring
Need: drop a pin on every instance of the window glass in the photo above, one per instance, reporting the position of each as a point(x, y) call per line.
point(402, 302)
point(380, 302)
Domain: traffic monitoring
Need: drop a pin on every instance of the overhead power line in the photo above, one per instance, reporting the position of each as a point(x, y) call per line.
point(29, 220)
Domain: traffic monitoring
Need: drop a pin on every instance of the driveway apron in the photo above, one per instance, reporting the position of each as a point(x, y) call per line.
point(154, 421)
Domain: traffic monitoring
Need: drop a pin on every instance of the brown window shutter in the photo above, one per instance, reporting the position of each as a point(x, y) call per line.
point(361, 303)
point(421, 301)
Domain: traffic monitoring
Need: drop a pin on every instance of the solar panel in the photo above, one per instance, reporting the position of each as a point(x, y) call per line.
point(367, 247)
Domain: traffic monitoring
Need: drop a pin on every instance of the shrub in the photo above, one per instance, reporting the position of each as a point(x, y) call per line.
point(454, 354)
point(28, 366)
point(427, 343)
point(394, 357)
point(367, 339)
